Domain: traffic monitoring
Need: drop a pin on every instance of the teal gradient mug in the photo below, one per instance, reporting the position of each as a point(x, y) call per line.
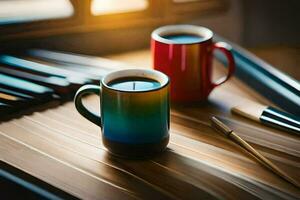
point(134, 109)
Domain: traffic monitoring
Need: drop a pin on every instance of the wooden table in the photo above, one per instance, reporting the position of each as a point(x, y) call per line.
point(63, 149)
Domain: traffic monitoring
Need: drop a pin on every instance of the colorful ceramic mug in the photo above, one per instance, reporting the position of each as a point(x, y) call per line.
point(134, 121)
point(185, 54)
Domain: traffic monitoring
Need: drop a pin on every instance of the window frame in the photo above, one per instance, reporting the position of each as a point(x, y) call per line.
point(157, 13)
point(193, 8)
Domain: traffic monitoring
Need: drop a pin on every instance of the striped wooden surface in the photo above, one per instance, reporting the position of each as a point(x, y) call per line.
point(62, 148)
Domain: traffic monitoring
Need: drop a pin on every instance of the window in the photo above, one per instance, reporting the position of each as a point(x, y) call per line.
point(40, 18)
point(18, 11)
point(102, 7)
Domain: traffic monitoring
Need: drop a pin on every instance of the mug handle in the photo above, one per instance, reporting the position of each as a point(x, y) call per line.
point(226, 50)
point(83, 90)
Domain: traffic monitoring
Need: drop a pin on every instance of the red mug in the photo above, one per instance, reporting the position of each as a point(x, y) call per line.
point(188, 62)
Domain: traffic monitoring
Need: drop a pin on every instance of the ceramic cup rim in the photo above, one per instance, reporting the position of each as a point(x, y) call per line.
point(144, 73)
point(204, 32)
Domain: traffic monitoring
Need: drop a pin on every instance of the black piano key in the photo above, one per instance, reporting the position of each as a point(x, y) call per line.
point(16, 104)
point(34, 67)
point(18, 101)
point(22, 86)
point(11, 98)
point(15, 101)
point(60, 85)
point(28, 99)
point(17, 94)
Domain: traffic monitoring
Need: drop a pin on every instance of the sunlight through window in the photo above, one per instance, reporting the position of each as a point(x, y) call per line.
point(102, 7)
point(17, 11)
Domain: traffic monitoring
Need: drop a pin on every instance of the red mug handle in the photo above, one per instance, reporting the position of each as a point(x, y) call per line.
point(226, 50)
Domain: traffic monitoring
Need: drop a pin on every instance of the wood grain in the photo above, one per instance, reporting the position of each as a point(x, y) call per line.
point(64, 149)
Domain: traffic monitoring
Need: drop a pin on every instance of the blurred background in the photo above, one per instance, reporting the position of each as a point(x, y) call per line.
point(268, 28)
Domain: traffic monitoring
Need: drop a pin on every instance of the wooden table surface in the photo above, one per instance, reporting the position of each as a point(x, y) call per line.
point(64, 149)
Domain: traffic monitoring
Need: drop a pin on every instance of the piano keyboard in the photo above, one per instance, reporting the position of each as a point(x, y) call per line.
point(63, 149)
point(39, 78)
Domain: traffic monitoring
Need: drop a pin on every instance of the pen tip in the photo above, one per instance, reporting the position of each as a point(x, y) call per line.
point(216, 123)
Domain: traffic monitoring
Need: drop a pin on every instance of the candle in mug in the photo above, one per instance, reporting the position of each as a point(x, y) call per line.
point(134, 84)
